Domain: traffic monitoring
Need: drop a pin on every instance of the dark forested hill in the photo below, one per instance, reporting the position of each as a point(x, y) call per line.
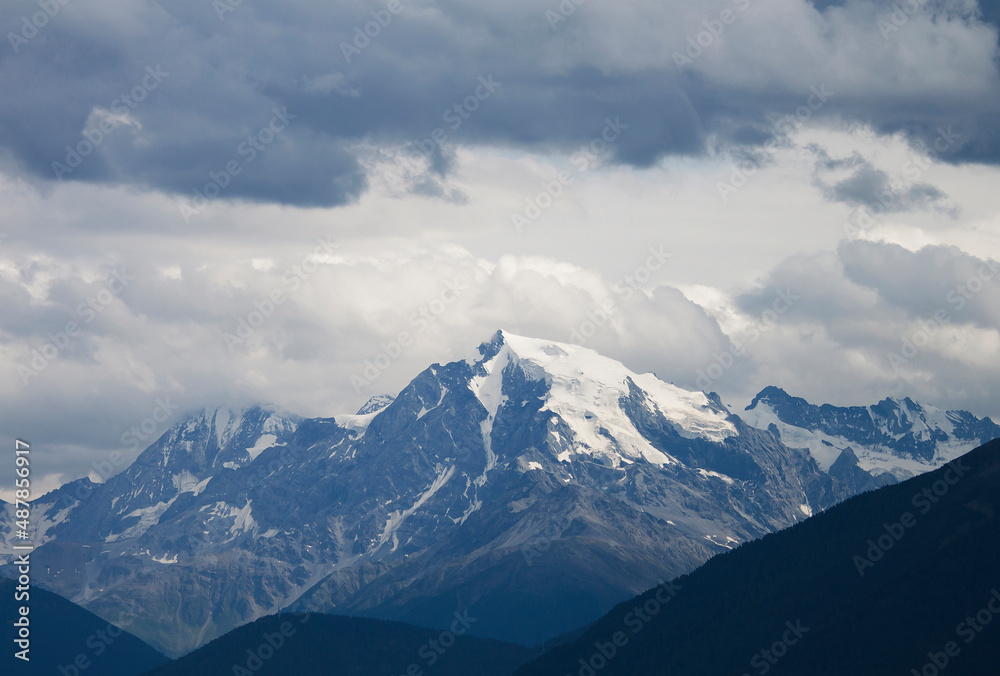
point(903, 578)
point(67, 640)
point(324, 645)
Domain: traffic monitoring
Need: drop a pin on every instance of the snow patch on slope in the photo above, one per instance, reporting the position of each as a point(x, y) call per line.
point(424, 410)
point(489, 390)
point(244, 520)
point(825, 454)
point(708, 473)
point(265, 442)
point(396, 519)
point(226, 425)
point(186, 482)
point(148, 517)
point(46, 518)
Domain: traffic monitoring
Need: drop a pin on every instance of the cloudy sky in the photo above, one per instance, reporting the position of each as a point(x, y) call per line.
point(224, 202)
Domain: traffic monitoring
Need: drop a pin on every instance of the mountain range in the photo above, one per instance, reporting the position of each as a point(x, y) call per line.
point(532, 485)
point(895, 439)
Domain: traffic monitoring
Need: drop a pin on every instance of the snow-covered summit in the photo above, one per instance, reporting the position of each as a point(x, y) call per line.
point(376, 404)
point(898, 436)
point(589, 393)
point(528, 453)
point(234, 436)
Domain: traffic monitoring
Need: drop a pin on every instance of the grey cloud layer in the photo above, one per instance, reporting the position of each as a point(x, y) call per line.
point(887, 320)
point(228, 73)
point(166, 337)
point(870, 187)
point(164, 334)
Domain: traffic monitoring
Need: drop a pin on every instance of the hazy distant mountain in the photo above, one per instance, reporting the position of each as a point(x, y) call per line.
point(326, 645)
point(896, 438)
point(902, 580)
point(65, 635)
point(533, 484)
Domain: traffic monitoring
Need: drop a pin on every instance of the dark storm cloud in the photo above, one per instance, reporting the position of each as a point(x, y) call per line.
point(868, 185)
point(225, 68)
point(854, 181)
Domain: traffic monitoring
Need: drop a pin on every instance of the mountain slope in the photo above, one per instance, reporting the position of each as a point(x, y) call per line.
point(65, 635)
point(320, 645)
point(883, 583)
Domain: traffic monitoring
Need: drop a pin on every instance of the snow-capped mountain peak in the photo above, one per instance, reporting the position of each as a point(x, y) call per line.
point(898, 436)
point(376, 404)
point(234, 437)
point(589, 393)
point(528, 453)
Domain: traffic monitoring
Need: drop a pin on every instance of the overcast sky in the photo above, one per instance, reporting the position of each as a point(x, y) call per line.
point(731, 194)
